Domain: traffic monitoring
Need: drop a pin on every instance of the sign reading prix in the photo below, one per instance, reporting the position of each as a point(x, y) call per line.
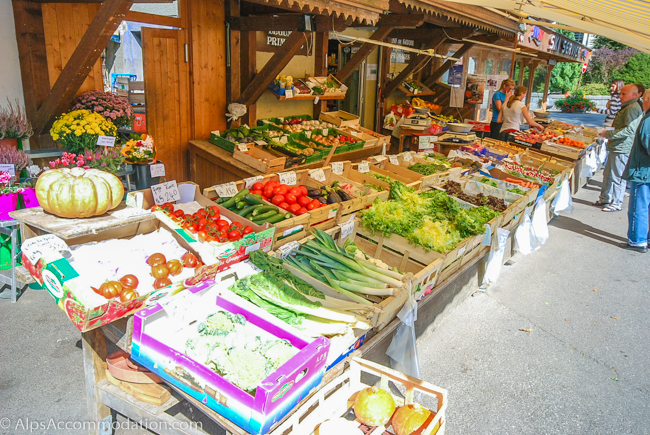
point(401, 56)
point(271, 42)
point(550, 42)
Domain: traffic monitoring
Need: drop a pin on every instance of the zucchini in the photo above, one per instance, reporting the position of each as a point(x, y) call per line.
point(232, 201)
point(264, 209)
point(248, 210)
point(275, 219)
point(254, 199)
point(241, 205)
point(264, 216)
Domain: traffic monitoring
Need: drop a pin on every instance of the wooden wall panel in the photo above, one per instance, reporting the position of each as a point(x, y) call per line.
point(208, 66)
point(64, 25)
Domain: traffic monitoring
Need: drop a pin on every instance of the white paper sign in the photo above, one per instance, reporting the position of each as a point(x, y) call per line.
point(332, 213)
point(286, 250)
point(106, 141)
point(363, 167)
point(346, 229)
point(7, 167)
point(288, 93)
point(288, 178)
point(290, 231)
point(393, 160)
point(427, 142)
point(284, 139)
point(157, 170)
point(326, 132)
point(252, 248)
point(317, 174)
point(130, 212)
point(407, 157)
point(380, 158)
point(317, 99)
point(165, 192)
point(37, 247)
point(251, 181)
point(226, 190)
point(242, 147)
point(461, 251)
point(337, 168)
point(260, 142)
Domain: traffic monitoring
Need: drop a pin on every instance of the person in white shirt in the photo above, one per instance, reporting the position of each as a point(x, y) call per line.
point(512, 112)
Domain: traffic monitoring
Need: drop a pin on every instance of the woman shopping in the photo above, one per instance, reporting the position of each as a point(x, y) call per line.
point(499, 98)
point(614, 104)
point(512, 112)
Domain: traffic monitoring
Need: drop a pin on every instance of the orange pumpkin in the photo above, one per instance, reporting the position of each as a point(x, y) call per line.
point(374, 406)
point(409, 418)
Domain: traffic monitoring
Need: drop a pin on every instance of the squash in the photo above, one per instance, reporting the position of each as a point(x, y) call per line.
point(374, 406)
point(78, 192)
point(409, 418)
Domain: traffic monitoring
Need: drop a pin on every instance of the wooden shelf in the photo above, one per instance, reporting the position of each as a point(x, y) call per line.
point(303, 97)
point(425, 90)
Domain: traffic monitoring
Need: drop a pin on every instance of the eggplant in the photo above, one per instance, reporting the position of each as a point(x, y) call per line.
point(312, 191)
point(344, 196)
point(321, 199)
point(333, 197)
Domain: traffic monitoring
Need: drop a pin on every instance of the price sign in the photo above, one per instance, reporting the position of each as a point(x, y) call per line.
point(106, 141)
point(252, 180)
point(317, 174)
point(157, 170)
point(242, 147)
point(317, 99)
point(308, 133)
point(288, 93)
point(337, 168)
point(37, 247)
point(461, 251)
point(332, 213)
point(7, 167)
point(284, 139)
point(326, 132)
point(393, 160)
point(407, 157)
point(165, 192)
point(286, 250)
point(363, 167)
point(346, 229)
point(290, 231)
point(226, 190)
point(427, 142)
point(260, 142)
point(380, 158)
point(288, 178)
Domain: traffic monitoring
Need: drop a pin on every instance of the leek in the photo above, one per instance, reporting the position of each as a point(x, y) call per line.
point(331, 279)
point(366, 290)
point(353, 280)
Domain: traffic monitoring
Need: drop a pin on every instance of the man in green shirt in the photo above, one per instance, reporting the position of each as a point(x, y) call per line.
point(619, 145)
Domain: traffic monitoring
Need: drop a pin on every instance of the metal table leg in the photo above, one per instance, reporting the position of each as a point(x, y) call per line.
point(14, 242)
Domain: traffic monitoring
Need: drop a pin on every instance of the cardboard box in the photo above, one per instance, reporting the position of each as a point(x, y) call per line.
point(153, 347)
point(340, 118)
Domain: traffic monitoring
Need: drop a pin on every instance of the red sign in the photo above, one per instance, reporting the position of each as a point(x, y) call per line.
point(584, 66)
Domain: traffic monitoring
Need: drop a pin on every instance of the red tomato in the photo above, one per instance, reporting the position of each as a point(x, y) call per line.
point(215, 217)
point(156, 208)
point(277, 199)
point(310, 206)
point(236, 226)
point(204, 235)
point(283, 205)
point(257, 192)
point(234, 235)
point(303, 189)
point(291, 198)
point(203, 222)
point(301, 211)
point(179, 213)
point(272, 183)
point(268, 192)
point(297, 191)
point(258, 186)
point(168, 206)
point(282, 190)
point(247, 230)
point(194, 228)
point(189, 260)
point(304, 200)
point(293, 208)
point(315, 202)
point(202, 213)
point(213, 210)
point(221, 223)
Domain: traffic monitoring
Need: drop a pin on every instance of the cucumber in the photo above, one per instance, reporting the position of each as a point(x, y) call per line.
point(254, 199)
point(274, 219)
point(264, 216)
point(248, 210)
point(241, 205)
point(222, 200)
point(265, 208)
point(232, 201)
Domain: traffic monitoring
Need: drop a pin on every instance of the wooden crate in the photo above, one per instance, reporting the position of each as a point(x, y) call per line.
point(288, 230)
point(409, 181)
point(562, 150)
point(259, 159)
point(323, 217)
point(336, 399)
point(340, 118)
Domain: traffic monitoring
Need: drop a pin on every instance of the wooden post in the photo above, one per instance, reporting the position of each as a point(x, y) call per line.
point(94, 353)
point(384, 70)
point(531, 79)
point(234, 70)
point(513, 59)
point(445, 66)
point(523, 63)
point(320, 66)
point(248, 59)
point(547, 83)
point(92, 44)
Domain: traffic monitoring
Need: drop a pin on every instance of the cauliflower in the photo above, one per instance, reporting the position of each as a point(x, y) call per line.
point(244, 368)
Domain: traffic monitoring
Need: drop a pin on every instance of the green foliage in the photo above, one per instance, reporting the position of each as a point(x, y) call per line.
point(601, 41)
point(565, 77)
point(595, 89)
point(575, 102)
point(637, 70)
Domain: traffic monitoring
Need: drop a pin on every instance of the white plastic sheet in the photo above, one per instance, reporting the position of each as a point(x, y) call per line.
point(403, 350)
point(590, 164)
point(525, 238)
point(563, 201)
point(540, 225)
point(495, 259)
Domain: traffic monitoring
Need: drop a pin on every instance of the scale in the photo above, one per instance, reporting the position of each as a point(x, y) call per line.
point(543, 121)
point(458, 138)
point(417, 121)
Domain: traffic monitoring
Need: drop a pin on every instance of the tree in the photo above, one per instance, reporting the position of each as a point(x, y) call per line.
point(601, 41)
point(565, 77)
point(637, 70)
point(606, 64)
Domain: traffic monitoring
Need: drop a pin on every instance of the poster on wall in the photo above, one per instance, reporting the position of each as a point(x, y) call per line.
point(475, 88)
point(455, 75)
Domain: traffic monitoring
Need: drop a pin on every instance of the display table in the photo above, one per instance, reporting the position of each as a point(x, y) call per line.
point(9, 227)
point(210, 165)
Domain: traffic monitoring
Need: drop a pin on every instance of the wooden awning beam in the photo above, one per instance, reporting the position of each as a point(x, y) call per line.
point(94, 1)
point(285, 22)
point(273, 67)
point(386, 25)
point(108, 17)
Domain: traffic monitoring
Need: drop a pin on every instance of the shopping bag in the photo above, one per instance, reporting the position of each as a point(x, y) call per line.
point(540, 225)
point(589, 165)
point(525, 239)
point(390, 121)
point(563, 201)
point(495, 259)
point(403, 350)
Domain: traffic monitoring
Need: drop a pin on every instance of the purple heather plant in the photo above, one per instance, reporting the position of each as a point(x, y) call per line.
point(12, 156)
point(114, 108)
point(14, 123)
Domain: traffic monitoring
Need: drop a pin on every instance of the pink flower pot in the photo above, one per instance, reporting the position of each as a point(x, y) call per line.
point(10, 142)
point(8, 203)
point(29, 198)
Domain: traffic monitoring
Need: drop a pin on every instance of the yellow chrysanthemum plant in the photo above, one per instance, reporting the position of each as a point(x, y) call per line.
point(78, 130)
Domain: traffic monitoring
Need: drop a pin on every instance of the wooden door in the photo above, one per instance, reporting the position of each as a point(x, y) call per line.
point(167, 94)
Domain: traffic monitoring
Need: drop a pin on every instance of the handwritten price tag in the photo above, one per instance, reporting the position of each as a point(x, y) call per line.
point(317, 174)
point(226, 190)
point(284, 139)
point(286, 250)
point(106, 141)
point(242, 147)
point(393, 160)
point(165, 192)
point(260, 142)
point(251, 181)
point(346, 229)
point(288, 93)
point(288, 178)
point(317, 99)
point(38, 247)
point(337, 168)
point(427, 142)
point(308, 134)
point(364, 167)
point(380, 158)
point(157, 170)
point(407, 157)
point(7, 167)
point(326, 132)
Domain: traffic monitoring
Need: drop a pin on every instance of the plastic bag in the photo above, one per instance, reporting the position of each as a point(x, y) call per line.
point(525, 239)
point(540, 225)
point(590, 165)
point(403, 351)
point(563, 201)
point(236, 111)
point(495, 260)
point(390, 121)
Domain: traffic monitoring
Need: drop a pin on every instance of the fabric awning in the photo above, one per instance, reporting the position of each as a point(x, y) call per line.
point(625, 21)
point(358, 12)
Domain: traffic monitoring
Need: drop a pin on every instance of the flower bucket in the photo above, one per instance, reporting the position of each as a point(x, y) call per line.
point(8, 203)
point(142, 177)
point(29, 198)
